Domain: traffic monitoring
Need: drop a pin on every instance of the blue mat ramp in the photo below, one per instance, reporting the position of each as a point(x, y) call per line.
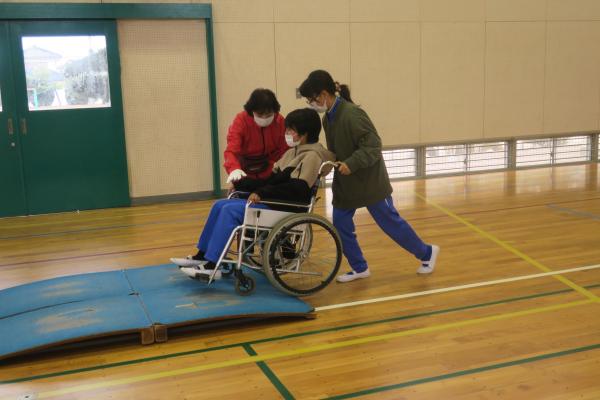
point(68, 289)
point(147, 300)
point(179, 300)
point(73, 322)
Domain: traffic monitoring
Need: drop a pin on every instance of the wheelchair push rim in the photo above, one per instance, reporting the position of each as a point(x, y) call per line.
point(302, 254)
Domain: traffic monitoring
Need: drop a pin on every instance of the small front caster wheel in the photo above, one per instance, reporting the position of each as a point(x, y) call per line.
point(244, 285)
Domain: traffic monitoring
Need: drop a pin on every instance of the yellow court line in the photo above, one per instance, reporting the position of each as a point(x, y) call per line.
point(303, 350)
point(510, 248)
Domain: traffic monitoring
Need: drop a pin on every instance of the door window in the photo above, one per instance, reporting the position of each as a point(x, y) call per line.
point(66, 72)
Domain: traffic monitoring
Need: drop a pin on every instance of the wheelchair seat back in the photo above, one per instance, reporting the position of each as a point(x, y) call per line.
point(267, 218)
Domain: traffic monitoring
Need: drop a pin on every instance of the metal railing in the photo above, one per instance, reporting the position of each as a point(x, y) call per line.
point(421, 161)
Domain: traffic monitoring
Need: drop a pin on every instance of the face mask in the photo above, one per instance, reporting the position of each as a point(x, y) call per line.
point(318, 108)
point(263, 122)
point(289, 139)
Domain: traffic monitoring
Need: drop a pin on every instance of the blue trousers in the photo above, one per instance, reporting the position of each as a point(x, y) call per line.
point(385, 215)
point(225, 215)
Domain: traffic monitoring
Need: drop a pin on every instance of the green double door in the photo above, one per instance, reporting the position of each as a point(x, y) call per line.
point(62, 144)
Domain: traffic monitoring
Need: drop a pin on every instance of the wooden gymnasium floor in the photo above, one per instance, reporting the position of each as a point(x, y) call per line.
point(536, 338)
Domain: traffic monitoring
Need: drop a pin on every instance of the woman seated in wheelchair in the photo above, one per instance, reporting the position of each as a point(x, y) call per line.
point(292, 179)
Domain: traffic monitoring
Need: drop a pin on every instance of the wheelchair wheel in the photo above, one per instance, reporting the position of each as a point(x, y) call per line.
point(302, 254)
point(244, 285)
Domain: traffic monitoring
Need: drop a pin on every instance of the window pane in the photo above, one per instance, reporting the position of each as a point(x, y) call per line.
point(66, 72)
point(484, 156)
point(445, 159)
point(400, 163)
point(572, 149)
point(534, 152)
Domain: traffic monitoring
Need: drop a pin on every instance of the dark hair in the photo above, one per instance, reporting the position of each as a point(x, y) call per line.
point(262, 100)
point(305, 121)
point(320, 80)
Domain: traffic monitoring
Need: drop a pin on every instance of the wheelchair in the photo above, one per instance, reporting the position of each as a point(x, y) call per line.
point(299, 252)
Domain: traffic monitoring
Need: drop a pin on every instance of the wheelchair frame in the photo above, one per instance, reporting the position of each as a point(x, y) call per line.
point(255, 231)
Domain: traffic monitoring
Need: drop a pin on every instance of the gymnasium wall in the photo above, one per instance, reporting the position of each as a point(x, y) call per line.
point(427, 71)
point(166, 106)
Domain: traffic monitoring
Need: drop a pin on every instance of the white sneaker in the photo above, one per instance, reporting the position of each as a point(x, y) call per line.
point(186, 262)
point(200, 273)
point(352, 275)
point(427, 267)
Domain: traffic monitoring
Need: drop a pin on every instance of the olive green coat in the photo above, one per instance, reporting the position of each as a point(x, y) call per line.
point(354, 140)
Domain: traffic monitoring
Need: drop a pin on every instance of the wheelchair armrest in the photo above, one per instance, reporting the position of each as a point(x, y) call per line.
point(238, 195)
point(287, 203)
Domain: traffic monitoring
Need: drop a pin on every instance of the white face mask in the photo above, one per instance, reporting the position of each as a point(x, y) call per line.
point(318, 108)
point(289, 139)
point(263, 122)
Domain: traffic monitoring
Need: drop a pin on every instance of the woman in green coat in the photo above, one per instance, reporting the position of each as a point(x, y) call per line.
point(361, 179)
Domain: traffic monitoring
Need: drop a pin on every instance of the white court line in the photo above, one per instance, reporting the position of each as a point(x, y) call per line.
point(454, 288)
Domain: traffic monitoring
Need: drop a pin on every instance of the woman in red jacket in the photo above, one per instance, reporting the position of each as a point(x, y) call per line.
point(256, 138)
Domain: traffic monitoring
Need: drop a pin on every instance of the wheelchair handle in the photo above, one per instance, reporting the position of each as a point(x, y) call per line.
point(334, 164)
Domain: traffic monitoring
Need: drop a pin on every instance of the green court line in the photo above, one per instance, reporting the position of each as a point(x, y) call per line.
point(295, 352)
point(116, 364)
point(577, 213)
point(463, 372)
point(287, 395)
point(284, 337)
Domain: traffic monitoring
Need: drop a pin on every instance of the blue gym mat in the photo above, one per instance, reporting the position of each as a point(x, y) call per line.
point(171, 298)
point(76, 308)
point(71, 322)
point(68, 289)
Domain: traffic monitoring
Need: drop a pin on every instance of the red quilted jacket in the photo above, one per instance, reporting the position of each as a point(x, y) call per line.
point(246, 139)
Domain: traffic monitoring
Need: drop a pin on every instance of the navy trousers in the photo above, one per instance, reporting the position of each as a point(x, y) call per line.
point(385, 215)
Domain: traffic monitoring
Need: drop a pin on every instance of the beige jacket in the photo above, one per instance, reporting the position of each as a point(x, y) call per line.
point(306, 159)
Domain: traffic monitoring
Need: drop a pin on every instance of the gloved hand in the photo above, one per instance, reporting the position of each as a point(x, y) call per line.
point(235, 175)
